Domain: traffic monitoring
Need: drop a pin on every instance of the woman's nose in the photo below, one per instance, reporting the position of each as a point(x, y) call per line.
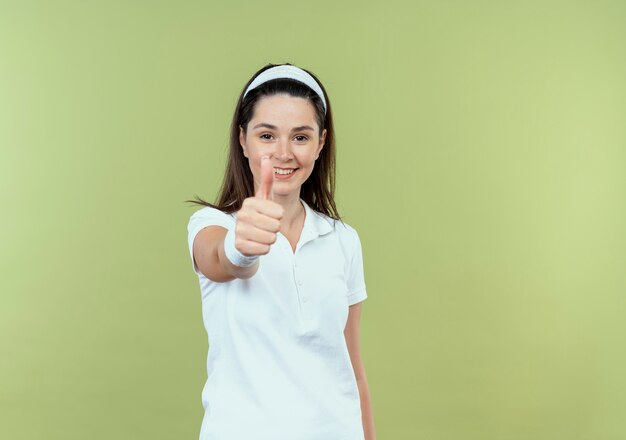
point(283, 150)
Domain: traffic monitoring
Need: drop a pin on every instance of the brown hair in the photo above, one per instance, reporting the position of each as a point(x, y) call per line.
point(318, 190)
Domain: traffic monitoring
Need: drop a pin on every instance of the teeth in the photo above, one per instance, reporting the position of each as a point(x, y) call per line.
point(279, 171)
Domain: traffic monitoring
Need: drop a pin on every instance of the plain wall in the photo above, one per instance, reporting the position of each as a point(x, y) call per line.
point(481, 157)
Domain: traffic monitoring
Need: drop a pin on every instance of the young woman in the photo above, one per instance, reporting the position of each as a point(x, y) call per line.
point(281, 275)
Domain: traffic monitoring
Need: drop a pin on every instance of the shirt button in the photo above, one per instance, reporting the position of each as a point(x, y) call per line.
point(305, 299)
point(299, 282)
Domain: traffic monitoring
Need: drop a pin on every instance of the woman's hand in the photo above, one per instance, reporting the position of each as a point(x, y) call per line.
point(258, 220)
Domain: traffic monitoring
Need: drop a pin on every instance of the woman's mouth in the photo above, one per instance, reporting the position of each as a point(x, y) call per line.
point(284, 173)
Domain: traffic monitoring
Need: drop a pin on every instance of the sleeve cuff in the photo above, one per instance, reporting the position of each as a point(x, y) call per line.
point(357, 296)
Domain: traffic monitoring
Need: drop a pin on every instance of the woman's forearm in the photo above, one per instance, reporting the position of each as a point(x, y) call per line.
point(367, 416)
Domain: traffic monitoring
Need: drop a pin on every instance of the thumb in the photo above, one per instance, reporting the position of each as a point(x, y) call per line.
point(267, 179)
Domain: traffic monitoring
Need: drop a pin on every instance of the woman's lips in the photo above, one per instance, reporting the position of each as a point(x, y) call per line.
point(285, 176)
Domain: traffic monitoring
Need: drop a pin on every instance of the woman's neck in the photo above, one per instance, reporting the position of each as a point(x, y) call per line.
point(294, 211)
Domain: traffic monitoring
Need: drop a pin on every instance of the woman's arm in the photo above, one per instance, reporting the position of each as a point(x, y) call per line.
point(208, 253)
point(352, 335)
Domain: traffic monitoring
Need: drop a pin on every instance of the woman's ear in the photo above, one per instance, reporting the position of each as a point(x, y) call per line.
point(242, 141)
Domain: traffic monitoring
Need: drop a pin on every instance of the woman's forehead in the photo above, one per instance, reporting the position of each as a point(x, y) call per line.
point(284, 110)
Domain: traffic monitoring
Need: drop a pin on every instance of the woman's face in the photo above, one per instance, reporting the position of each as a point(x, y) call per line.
point(284, 128)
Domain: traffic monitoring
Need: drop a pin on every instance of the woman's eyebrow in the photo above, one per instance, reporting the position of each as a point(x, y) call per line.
point(273, 127)
point(303, 127)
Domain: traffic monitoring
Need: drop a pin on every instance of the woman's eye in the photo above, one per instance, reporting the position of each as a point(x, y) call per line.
point(266, 136)
point(301, 138)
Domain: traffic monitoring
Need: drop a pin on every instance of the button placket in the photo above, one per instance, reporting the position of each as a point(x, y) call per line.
point(298, 281)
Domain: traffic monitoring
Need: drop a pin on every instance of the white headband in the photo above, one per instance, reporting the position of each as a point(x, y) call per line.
point(287, 71)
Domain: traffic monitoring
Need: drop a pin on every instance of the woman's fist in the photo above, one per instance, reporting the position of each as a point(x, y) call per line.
point(258, 220)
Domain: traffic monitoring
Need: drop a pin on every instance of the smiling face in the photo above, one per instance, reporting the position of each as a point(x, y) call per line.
point(284, 128)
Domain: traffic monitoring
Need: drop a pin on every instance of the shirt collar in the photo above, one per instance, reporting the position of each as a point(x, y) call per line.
point(316, 223)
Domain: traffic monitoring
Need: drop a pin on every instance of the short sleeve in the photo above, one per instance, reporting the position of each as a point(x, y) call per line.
point(202, 218)
point(355, 276)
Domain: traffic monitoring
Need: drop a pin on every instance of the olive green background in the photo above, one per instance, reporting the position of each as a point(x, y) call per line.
point(481, 156)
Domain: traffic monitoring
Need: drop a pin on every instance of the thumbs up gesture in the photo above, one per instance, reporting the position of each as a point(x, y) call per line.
point(267, 180)
point(258, 220)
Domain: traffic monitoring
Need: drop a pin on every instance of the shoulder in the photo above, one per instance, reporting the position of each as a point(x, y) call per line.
point(347, 234)
point(208, 211)
point(345, 229)
point(208, 215)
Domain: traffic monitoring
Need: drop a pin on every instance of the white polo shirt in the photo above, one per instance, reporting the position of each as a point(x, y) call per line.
point(278, 365)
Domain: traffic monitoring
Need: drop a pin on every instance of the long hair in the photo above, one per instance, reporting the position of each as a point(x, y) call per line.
point(318, 190)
